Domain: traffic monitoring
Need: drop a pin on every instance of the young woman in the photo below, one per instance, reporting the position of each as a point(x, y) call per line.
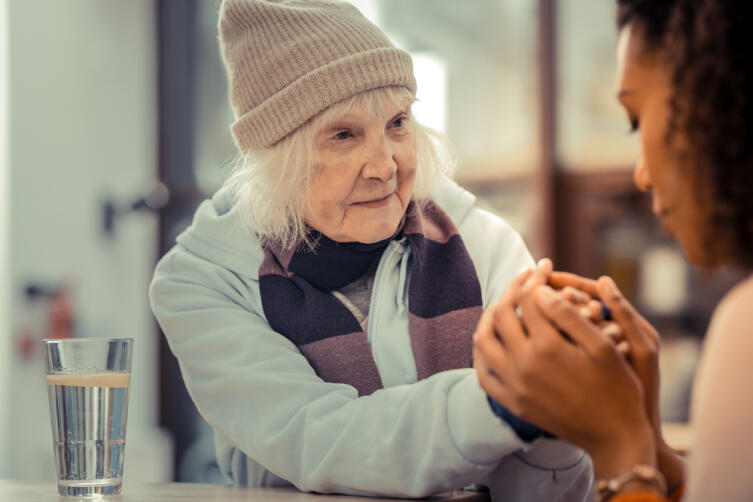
point(685, 82)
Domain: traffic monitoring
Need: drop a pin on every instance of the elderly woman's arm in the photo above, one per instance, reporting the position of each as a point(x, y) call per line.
point(553, 469)
point(264, 399)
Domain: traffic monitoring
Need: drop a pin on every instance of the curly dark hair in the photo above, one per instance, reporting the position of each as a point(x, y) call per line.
point(706, 45)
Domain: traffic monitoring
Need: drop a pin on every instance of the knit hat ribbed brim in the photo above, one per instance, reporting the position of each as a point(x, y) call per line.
point(288, 60)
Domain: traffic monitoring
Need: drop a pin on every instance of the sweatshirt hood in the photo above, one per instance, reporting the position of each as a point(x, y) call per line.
point(217, 233)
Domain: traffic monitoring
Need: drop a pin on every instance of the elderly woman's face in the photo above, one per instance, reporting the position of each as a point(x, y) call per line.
point(365, 167)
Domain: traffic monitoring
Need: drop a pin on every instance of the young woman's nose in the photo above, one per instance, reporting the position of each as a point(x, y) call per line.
point(640, 174)
point(380, 162)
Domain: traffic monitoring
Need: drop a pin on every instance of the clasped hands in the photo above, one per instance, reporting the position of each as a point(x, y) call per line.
point(545, 352)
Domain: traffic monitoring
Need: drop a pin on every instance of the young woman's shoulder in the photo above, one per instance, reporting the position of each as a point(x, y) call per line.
point(734, 312)
point(730, 335)
point(723, 404)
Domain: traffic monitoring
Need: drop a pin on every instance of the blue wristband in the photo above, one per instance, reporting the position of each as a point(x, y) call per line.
point(525, 431)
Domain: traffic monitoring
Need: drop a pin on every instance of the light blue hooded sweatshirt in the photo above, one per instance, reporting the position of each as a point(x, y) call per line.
point(277, 423)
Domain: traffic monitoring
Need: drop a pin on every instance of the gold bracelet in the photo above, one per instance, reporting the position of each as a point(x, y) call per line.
point(608, 488)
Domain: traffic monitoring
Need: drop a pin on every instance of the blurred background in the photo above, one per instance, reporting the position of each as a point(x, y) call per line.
point(114, 125)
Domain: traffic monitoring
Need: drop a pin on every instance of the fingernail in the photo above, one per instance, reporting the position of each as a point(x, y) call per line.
point(612, 285)
point(543, 262)
point(612, 330)
point(609, 285)
point(576, 293)
point(546, 293)
point(585, 312)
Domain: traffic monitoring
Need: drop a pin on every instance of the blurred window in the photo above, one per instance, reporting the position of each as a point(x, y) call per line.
point(213, 142)
point(592, 130)
point(5, 341)
point(487, 56)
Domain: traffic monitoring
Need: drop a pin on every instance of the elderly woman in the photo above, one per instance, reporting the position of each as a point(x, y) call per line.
point(321, 305)
point(685, 80)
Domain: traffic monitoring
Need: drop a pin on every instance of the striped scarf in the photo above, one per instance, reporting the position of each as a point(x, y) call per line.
point(444, 300)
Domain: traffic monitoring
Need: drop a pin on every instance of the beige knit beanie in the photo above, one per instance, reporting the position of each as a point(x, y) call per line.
point(288, 60)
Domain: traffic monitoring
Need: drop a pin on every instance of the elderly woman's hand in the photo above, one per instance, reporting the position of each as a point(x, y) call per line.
point(590, 307)
point(581, 390)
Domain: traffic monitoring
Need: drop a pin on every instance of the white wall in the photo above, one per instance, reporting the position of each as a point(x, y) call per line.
point(83, 125)
point(5, 339)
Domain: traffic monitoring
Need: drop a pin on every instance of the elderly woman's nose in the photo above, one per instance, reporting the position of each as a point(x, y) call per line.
point(380, 162)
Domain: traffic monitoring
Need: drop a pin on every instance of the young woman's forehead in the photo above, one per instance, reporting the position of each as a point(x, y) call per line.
point(638, 66)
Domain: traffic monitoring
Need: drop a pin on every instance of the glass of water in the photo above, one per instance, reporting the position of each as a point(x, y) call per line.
point(87, 384)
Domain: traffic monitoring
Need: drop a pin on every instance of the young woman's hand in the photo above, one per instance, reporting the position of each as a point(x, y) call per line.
point(642, 352)
point(637, 338)
point(581, 390)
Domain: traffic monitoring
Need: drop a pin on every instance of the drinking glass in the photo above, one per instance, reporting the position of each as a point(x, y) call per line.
point(87, 383)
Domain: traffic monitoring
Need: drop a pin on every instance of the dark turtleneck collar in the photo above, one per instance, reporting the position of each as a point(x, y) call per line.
point(332, 265)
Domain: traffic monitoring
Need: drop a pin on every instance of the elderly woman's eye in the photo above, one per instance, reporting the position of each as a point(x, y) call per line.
point(345, 134)
point(398, 122)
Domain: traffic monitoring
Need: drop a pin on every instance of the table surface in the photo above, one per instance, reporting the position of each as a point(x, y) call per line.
point(46, 491)
point(678, 436)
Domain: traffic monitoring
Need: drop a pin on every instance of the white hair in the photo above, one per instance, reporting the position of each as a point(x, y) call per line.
point(271, 186)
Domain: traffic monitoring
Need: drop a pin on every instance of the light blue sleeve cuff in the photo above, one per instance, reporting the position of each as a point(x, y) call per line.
point(553, 454)
point(481, 437)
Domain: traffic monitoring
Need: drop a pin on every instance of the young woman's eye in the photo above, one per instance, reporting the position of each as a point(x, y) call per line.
point(635, 125)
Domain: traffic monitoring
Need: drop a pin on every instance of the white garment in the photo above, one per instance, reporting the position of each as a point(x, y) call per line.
point(277, 423)
point(721, 461)
point(356, 296)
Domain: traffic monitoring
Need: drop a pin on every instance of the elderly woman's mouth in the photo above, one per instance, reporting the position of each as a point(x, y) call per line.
point(375, 203)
